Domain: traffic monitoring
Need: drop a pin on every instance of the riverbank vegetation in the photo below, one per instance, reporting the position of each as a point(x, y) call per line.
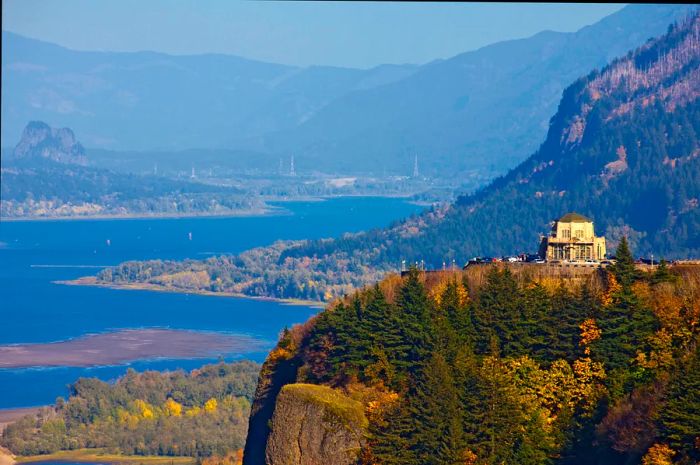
point(198, 414)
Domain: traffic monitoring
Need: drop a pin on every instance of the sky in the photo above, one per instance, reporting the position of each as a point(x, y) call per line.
point(350, 34)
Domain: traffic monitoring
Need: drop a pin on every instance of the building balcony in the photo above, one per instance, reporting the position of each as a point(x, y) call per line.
point(572, 240)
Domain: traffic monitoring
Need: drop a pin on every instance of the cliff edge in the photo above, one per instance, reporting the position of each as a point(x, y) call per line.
point(315, 425)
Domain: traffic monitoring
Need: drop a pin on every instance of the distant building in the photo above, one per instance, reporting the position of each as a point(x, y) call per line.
point(573, 238)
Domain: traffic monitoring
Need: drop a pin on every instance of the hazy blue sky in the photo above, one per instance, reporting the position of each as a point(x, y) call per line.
point(360, 34)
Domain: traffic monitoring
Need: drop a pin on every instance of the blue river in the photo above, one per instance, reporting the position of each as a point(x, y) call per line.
point(35, 253)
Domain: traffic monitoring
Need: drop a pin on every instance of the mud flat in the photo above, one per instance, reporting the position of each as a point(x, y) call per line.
point(124, 346)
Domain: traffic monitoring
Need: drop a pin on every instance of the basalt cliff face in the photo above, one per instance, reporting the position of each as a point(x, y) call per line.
point(296, 423)
point(315, 425)
point(39, 140)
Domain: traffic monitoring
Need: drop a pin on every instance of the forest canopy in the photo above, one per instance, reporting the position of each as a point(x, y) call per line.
point(197, 414)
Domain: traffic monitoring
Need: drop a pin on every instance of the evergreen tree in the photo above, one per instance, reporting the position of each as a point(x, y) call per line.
point(624, 269)
point(662, 274)
point(563, 325)
point(437, 438)
point(497, 314)
point(415, 320)
point(680, 417)
point(389, 438)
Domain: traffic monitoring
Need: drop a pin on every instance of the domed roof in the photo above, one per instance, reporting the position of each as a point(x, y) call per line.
point(574, 218)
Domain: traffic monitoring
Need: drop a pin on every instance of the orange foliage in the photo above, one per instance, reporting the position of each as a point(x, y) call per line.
point(589, 333)
point(231, 458)
point(613, 287)
point(659, 454)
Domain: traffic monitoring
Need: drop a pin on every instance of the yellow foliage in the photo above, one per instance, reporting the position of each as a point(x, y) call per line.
point(437, 291)
point(172, 408)
point(125, 417)
point(231, 458)
point(661, 354)
point(462, 294)
point(612, 288)
point(210, 405)
point(194, 411)
point(589, 388)
point(659, 454)
point(144, 409)
point(589, 333)
point(328, 295)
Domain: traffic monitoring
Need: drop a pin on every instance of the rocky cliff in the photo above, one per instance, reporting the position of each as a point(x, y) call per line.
point(39, 140)
point(315, 425)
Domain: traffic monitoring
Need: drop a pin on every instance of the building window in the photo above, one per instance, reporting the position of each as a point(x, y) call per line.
point(566, 233)
point(578, 233)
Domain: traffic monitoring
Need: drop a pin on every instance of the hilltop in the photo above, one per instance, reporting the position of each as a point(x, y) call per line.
point(492, 364)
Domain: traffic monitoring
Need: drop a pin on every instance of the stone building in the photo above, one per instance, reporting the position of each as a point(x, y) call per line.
point(572, 238)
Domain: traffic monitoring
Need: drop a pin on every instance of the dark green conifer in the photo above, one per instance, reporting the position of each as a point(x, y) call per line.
point(624, 269)
point(680, 416)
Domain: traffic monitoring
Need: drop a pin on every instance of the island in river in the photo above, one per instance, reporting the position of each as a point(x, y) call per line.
point(124, 346)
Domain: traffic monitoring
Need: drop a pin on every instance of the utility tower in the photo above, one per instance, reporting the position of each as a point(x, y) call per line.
point(292, 172)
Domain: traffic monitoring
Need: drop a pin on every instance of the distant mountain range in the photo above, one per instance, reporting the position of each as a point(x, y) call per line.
point(623, 148)
point(485, 109)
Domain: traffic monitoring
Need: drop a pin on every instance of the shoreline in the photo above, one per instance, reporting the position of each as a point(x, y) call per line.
point(268, 211)
point(92, 281)
point(101, 456)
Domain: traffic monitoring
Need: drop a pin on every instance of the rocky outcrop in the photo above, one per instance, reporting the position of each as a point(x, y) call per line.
point(315, 425)
point(39, 140)
point(279, 369)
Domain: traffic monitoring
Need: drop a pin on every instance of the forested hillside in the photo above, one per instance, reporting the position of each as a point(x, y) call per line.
point(501, 364)
point(623, 149)
point(197, 414)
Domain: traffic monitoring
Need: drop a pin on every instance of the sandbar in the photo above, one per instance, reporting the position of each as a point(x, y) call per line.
point(123, 346)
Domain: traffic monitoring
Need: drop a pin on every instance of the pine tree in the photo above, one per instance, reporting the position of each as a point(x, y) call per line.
point(497, 314)
point(564, 322)
point(438, 438)
point(662, 274)
point(624, 269)
point(414, 319)
point(680, 417)
point(389, 438)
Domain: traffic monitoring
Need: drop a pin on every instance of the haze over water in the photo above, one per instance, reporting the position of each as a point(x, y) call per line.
point(34, 310)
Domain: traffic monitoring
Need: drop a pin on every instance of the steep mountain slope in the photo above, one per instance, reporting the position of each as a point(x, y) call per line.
point(486, 108)
point(118, 100)
point(482, 110)
point(622, 149)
